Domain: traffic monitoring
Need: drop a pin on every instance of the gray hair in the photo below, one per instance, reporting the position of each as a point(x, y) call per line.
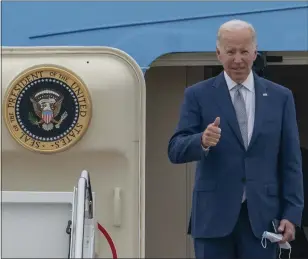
point(236, 25)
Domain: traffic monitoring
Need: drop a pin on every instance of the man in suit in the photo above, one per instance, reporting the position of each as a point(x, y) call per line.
point(242, 131)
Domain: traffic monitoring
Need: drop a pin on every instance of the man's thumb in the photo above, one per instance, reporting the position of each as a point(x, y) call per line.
point(282, 226)
point(217, 122)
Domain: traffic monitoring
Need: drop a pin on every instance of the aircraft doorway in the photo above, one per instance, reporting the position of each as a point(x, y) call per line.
point(169, 187)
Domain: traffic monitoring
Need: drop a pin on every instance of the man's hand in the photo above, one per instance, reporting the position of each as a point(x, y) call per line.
point(287, 229)
point(211, 135)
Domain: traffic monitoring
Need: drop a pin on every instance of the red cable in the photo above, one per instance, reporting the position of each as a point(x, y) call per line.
point(109, 240)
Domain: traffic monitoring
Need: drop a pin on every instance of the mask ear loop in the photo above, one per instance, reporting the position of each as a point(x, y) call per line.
point(290, 253)
point(264, 242)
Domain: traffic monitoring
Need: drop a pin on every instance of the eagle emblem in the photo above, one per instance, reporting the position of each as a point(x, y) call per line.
point(47, 105)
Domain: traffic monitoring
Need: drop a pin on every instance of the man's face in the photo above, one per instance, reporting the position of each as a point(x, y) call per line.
point(237, 53)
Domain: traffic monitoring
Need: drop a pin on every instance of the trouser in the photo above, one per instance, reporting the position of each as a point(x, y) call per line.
point(240, 244)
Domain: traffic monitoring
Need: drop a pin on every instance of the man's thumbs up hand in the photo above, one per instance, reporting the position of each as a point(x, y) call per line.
point(211, 135)
point(217, 122)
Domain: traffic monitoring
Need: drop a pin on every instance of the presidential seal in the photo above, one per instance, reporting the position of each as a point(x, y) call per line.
point(47, 108)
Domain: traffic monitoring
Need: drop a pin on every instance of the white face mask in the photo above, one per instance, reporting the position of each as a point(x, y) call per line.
point(274, 238)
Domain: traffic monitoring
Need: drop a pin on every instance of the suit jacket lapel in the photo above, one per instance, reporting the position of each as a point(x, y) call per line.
point(223, 100)
point(261, 102)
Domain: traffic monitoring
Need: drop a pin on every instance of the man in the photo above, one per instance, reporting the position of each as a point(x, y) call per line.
point(242, 131)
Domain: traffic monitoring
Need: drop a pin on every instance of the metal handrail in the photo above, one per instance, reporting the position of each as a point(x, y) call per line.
point(84, 210)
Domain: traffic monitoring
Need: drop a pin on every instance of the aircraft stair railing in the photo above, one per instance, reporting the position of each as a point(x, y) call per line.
point(82, 232)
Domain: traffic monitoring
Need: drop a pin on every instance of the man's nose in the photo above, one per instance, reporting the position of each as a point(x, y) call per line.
point(238, 58)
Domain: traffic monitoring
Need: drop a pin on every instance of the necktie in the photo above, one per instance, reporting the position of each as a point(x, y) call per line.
point(241, 114)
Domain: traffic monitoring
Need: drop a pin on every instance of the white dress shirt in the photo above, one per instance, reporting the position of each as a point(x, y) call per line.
point(248, 92)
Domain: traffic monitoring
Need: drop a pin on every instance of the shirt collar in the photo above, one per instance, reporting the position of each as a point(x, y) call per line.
point(248, 83)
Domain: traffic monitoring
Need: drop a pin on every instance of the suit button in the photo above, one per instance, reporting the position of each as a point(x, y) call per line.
point(244, 180)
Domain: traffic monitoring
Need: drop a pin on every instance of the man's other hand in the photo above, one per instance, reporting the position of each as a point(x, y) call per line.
point(287, 229)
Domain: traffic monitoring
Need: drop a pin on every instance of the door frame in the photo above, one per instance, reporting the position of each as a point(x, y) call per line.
point(210, 59)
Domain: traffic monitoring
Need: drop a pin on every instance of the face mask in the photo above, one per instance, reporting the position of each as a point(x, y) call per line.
point(274, 238)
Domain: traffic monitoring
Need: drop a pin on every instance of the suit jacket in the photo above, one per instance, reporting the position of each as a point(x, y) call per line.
point(270, 168)
point(305, 179)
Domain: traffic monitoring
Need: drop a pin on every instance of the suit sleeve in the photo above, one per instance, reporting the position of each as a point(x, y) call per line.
point(185, 144)
point(291, 165)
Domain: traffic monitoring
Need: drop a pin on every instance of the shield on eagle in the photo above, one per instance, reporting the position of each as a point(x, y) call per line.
point(47, 105)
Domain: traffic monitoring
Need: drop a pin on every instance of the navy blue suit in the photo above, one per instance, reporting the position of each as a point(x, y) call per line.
point(270, 168)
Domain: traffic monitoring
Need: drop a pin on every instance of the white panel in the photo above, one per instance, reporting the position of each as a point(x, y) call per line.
point(35, 229)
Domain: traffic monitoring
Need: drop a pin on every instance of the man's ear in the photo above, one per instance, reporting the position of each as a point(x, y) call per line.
point(217, 52)
point(256, 52)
